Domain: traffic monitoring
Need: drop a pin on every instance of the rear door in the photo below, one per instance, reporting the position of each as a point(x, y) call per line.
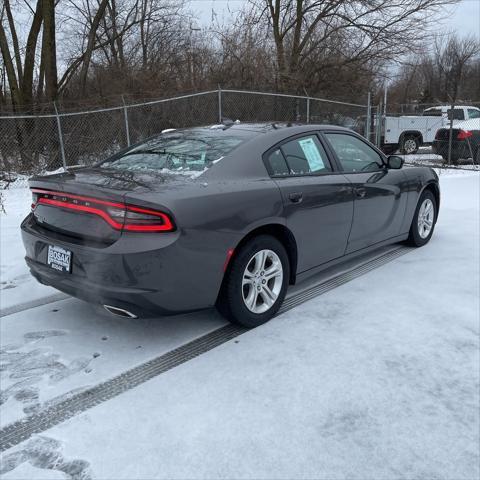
point(380, 194)
point(318, 200)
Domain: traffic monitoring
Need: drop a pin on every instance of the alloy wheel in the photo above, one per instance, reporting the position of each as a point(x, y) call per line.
point(426, 216)
point(262, 281)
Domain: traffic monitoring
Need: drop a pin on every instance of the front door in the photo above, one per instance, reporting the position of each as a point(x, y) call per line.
point(379, 193)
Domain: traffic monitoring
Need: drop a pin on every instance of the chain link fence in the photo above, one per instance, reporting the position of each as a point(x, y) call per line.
point(46, 142)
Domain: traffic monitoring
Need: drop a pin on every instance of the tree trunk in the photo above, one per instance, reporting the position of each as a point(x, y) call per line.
point(49, 51)
point(13, 34)
point(10, 69)
point(30, 50)
point(90, 45)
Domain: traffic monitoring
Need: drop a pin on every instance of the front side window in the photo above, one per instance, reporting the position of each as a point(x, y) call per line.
point(354, 154)
point(305, 156)
point(473, 113)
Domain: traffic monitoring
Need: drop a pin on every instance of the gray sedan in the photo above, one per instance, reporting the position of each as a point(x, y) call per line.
point(227, 215)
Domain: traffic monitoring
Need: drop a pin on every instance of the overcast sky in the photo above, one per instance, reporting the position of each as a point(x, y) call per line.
point(463, 17)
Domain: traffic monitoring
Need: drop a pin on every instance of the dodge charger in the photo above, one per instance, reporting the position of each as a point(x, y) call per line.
point(225, 215)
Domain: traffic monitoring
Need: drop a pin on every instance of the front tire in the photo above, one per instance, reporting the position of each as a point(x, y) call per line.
point(255, 283)
point(424, 219)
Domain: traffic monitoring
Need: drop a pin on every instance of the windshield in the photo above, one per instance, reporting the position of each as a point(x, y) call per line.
point(185, 151)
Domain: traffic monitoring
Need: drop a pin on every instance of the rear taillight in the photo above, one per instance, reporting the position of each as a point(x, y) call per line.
point(118, 215)
point(464, 134)
point(144, 220)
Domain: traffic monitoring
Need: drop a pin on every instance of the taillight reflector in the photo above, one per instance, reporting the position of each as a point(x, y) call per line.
point(118, 215)
point(228, 258)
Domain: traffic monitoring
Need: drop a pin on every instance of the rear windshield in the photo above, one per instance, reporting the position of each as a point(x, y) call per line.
point(186, 151)
point(432, 113)
point(458, 114)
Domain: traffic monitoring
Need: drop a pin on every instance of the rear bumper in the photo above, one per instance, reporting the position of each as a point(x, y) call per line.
point(142, 273)
point(135, 300)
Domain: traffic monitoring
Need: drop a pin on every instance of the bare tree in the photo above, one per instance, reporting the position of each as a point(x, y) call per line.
point(374, 29)
point(12, 74)
point(453, 56)
point(20, 75)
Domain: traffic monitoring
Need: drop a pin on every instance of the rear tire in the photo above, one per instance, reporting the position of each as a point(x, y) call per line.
point(409, 145)
point(255, 283)
point(424, 219)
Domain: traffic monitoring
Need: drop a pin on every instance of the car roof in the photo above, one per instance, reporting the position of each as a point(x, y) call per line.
point(243, 161)
point(265, 127)
point(259, 132)
point(258, 127)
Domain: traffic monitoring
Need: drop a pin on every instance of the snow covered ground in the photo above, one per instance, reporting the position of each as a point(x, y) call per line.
point(16, 283)
point(376, 379)
point(426, 157)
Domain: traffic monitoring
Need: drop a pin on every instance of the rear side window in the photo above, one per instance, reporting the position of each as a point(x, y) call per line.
point(305, 156)
point(278, 165)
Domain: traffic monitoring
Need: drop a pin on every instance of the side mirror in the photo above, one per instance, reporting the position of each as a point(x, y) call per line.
point(395, 162)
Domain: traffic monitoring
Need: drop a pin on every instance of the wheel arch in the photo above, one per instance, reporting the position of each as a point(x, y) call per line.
point(281, 233)
point(434, 188)
point(414, 133)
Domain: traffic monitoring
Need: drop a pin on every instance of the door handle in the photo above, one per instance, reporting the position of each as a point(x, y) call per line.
point(360, 192)
point(296, 197)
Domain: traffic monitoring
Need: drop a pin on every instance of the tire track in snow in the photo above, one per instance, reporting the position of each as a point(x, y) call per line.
point(33, 304)
point(52, 415)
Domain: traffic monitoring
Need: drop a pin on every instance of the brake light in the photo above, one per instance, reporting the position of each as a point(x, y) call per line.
point(464, 134)
point(145, 220)
point(119, 216)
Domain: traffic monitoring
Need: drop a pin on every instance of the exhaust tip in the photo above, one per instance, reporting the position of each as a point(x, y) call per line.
point(119, 312)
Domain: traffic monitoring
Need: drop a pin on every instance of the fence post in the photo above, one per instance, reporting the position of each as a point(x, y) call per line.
point(220, 116)
point(369, 114)
point(308, 109)
point(378, 126)
point(125, 116)
point(60, 136)
point(450, 132)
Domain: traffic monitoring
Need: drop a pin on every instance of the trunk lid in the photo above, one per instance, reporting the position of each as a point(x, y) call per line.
point(87, 189)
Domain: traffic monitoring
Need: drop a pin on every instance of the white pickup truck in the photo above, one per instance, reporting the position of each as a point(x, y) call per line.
point(408, 133)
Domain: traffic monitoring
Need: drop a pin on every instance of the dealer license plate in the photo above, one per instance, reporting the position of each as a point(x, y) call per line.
point(59, 259)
